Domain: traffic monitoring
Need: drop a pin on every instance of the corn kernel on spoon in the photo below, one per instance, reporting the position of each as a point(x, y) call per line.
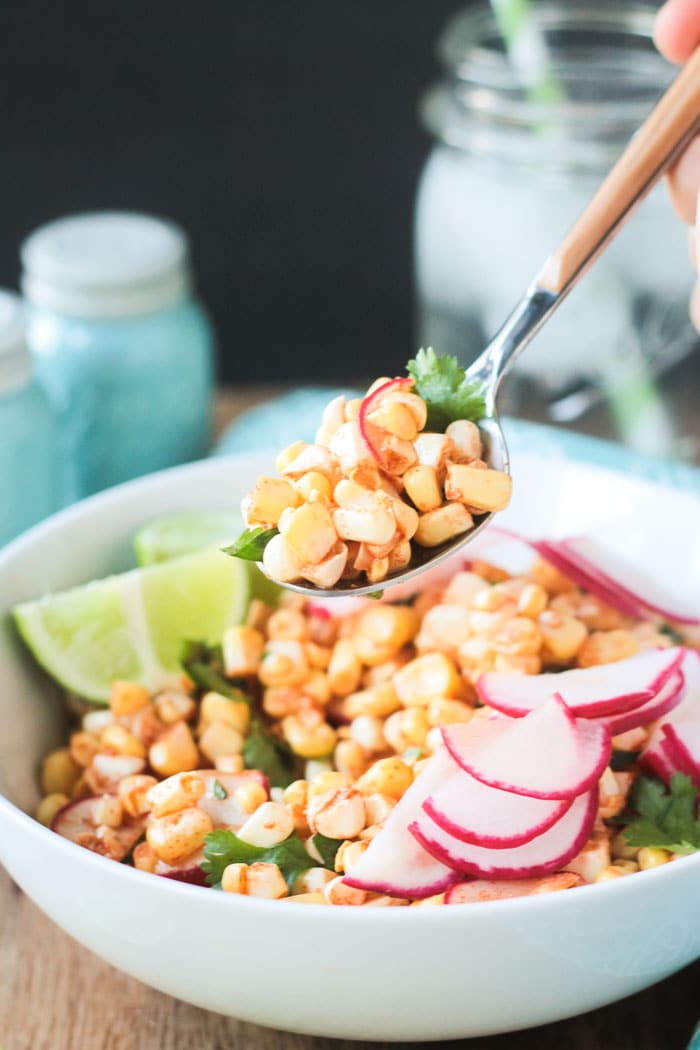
point(659, 141)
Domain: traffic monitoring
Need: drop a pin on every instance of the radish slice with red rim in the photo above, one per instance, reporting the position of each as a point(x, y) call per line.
point(589, 691)
point(627, 581)
point(370, 402)
point(682, 747)
point(394, 862)
point(549, 754)
point(78, 819)
point(188, 870)
point(583, 576)
point(487, 816)
point(669, 696)
point(547, 853)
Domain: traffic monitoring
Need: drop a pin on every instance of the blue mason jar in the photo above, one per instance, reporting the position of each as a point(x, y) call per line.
point(27, 437)
point(121, 346)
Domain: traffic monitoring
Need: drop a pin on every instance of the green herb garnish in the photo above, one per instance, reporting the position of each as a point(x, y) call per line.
point(204, 665)
point(222, 848)
point(327, 849)
point(218, 790)
point(375, 595)
point(250, 544)
point(270, 754)
point(666, 818)
point(444, 387)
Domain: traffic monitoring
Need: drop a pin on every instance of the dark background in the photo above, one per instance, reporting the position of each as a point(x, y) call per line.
point(283, 136)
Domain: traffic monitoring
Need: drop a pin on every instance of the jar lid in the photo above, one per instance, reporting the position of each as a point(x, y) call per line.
point(106, 264)
point(15, 360)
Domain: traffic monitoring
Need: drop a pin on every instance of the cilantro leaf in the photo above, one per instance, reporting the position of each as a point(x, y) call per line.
point(443, 385)
point(327, 849)
point(250, 544)
point(204, 665)
point(218, 790)
point(222, 848)
point(666, 818)
point(270, 754)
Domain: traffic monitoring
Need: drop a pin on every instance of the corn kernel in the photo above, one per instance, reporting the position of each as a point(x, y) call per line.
point(108, 811)
point(218, 708)
point(422, 487)
point(59, 772)
point(229, 764)
point(378, 701)
point(171, 707)
point(308, 741)
point(482, 490)
point(250, 795)
point(133, 793)
point(562, 636)
point(127, 697)
point(377, 808)
point(145, 858)
point(651, 857)
point(268, 499)
point(607, 647)
point(233, 878)
point(270, 824)
point(175, 793)
point(348, 853)
point(314, 482)
point(532, 600)
point(368, 732)
point(442, 524)
point(176, 836)
point(387, 776)
point(283, 663)
point(288, 455)
point(312, 880)
point(242, 649)
point(174, 752)
point(336, 892)
point(49, 807)
point(337, 814)
point(350, 757)
point(120, 741)
point(393, 625)
point(83, 747)
point(428, 676)
point(220, 739)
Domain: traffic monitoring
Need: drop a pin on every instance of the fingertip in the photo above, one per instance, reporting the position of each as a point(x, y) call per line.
point(677, 29)
point(684, 183)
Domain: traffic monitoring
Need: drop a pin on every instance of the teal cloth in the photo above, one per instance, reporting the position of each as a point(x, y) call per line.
point(295, 416)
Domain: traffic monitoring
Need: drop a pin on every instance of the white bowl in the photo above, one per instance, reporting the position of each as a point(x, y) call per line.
point(361, 973)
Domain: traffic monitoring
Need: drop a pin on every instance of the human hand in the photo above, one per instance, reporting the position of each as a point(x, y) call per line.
point(677, 34)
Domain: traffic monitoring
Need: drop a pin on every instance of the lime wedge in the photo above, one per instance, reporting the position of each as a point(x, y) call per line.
point(132, 626)
point(182, 532)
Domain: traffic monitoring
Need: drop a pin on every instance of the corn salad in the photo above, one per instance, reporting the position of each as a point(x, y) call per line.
point(358, 701)
point(373, 483)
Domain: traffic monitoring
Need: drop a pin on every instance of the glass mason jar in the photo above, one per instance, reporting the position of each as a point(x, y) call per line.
point(121, 347)
point(27, 435)
point(509, 173)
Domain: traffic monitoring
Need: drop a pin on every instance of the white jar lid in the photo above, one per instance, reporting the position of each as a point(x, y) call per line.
point(106, 264)
point(15, 360)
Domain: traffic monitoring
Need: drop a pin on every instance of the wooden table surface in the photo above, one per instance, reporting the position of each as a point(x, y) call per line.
point(56, 995)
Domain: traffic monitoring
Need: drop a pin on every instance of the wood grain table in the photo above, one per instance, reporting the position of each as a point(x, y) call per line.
point(56, 995)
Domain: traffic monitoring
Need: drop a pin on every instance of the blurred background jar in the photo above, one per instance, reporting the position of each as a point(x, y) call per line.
point(27, 436)
point(122, 348)
point(511, 168)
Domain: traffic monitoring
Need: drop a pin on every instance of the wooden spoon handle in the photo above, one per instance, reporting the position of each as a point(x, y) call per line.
point(652, 150)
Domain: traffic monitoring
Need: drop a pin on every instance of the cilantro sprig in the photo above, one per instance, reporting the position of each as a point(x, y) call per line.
point(444, 387)
point(666, 818)
point(270, 754)
point(250, 544)
point(222, 848)
point(204, 665)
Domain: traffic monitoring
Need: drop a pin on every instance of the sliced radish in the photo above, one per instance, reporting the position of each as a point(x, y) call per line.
point(682, 746)
point(606, 689)
point(188, 870)
point(544, 854)
point(669, 696)
point(626, 580)
point(371, 401)
point(662, 754)
point(77, 821)
point(487, 816)
point(548, 754)
point(228, 812)
point(477, 890)
point(567, 563)
point(394, 863)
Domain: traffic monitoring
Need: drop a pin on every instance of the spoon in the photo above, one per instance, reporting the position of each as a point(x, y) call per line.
point(658, 142)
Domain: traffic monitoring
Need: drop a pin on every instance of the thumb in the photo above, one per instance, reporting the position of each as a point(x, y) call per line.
point(677, 29)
